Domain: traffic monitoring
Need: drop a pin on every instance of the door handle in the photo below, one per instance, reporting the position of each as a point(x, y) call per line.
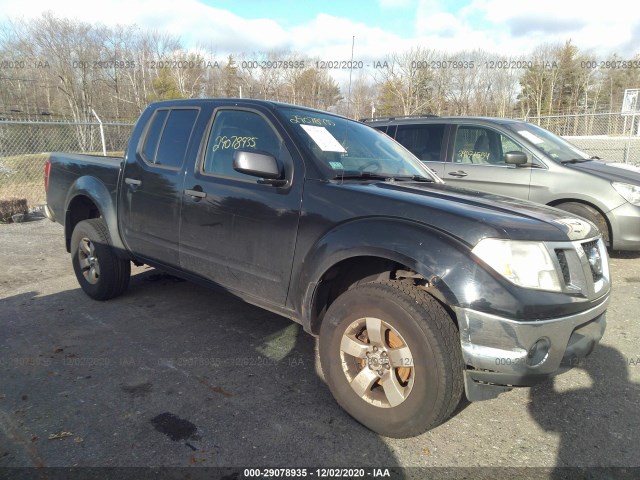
point(133, 181)
point(196, 193)
point(458, 174)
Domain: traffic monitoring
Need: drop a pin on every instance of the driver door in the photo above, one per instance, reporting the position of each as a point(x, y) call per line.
point(477, 162)
point(235, 231)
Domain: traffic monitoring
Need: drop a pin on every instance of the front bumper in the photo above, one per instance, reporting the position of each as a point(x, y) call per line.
point(625, 227)
point(500, 353)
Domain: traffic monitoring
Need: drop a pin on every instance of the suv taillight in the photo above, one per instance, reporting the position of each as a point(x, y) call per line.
point(47, 169)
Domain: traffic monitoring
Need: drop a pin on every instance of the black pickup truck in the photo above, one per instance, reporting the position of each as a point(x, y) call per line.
point(417, 290)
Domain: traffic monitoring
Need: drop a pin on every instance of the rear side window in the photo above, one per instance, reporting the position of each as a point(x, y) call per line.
point(170, 131)
point(153, 135)
point(424, 141)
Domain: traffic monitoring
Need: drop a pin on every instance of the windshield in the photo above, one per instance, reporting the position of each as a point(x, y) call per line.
point(347, 148)
point(550, 144)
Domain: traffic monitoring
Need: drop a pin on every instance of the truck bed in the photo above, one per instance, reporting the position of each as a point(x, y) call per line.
point(70, 160)
point(68, 168)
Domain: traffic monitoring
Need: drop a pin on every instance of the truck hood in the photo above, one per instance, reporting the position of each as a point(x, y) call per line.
point(614, 172)
point(472, 216)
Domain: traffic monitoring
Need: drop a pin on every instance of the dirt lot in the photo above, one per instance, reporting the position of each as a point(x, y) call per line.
point(172, 374)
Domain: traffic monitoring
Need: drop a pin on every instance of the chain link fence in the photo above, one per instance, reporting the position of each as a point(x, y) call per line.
point(610, 136)
point(25, 146)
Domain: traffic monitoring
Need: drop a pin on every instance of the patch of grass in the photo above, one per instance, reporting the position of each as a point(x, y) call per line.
point(23, 176)
point(22, 168)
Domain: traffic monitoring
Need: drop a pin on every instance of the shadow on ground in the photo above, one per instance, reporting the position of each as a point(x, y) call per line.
point(576, 415)
point(168, 374)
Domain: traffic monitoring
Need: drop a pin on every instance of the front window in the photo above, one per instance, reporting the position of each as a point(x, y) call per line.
point(235, 130)
point(483, 146)
point(553, 146)
point(344, 147)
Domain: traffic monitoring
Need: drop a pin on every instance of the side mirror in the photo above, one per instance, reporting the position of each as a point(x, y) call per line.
point(515, 158)
point(257, 164)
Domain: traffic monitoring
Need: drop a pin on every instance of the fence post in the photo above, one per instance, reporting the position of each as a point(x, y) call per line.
point(104, 145)
point(628, 146)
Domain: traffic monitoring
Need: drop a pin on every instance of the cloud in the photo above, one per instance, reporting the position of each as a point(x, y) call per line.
point(633, 41)
point(523, 25)
point(330, 38)
point(395, 3)
point(441, 24)
point(499, 26)
point(191, 20)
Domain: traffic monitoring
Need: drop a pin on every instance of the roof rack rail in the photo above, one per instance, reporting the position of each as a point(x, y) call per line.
point(398, 117)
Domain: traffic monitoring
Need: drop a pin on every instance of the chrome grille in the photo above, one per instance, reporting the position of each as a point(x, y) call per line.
point(564, 266)
point(592, 252)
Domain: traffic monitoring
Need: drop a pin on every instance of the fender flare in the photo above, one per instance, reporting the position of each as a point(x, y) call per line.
point(442, 259)
point(97, 192)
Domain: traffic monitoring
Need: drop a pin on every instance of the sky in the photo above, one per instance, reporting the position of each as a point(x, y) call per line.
point(325, 29)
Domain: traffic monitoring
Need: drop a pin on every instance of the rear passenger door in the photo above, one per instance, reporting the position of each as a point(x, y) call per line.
point(426, 142)
point(477, 162)
point(151, 195)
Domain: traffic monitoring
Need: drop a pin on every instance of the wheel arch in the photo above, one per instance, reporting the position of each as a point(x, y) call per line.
point(359, 269)
point(370, 250)
point(89, 198)
point(81, 207)
point(556, 202)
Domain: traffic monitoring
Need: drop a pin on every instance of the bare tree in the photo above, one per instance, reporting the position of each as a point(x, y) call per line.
point(67, 67)
point(405, 82)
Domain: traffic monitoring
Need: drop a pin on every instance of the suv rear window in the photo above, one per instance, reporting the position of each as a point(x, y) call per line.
point(424, 141)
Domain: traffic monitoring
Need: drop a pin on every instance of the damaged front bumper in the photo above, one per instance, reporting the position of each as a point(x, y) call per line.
point(501, 353)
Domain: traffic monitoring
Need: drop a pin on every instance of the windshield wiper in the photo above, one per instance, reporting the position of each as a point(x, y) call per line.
point(576, 160)
point(381, 176)
point(415, 178)
point(362, 175)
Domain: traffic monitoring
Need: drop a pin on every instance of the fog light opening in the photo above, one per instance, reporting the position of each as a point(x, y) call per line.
point(539, 352)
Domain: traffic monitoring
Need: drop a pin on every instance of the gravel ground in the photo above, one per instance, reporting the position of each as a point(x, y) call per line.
point(173, 374)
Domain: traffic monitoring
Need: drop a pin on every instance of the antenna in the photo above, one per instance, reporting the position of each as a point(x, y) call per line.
point(353, 42)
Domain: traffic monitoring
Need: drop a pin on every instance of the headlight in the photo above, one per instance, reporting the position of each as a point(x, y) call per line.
point(631, 193)
point(527, 264)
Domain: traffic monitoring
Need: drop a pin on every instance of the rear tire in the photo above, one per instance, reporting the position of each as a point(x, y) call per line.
point(100, 272)
point(392, 359)
point(589, 213)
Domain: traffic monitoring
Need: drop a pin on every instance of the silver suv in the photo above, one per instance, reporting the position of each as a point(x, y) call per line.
point(518, 159)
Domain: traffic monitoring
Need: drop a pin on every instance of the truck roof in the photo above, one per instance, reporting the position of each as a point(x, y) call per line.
point(235, 101)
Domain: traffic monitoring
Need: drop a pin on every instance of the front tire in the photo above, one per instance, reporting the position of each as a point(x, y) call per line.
point(392, 359)
point(100, 272)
